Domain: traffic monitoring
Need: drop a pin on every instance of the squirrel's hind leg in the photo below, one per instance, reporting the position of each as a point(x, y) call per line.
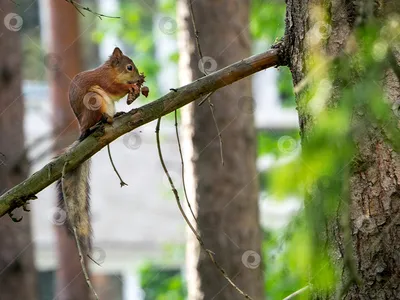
point(106, 118)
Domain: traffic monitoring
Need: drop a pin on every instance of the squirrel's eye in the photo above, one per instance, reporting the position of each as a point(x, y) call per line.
point(129, 67)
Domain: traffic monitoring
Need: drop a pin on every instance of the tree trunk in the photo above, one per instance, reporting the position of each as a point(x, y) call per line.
point(17, 270)
point(224, 197)
point(374, 187)
point(63, 63)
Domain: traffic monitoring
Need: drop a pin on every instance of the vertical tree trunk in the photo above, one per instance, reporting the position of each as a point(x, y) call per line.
point(63, 63)
point(374, 188)
point(225, 197)
point(17, 270)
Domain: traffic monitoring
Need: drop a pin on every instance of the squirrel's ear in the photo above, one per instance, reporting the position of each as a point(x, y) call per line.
point(115, 57)
point(117, 52)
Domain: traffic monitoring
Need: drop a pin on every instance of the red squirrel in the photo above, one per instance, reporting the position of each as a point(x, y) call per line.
point(92, 95)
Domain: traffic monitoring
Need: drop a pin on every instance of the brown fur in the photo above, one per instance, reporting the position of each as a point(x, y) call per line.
point(112, 77)
point(75, 187)
point(87, 94)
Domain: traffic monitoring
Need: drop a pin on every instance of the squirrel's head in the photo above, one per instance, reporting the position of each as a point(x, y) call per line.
point(125, 68)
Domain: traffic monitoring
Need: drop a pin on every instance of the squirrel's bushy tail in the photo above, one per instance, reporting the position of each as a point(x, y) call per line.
point(75, 187)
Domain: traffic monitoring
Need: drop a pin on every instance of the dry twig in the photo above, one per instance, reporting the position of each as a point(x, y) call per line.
point(205, 98)
point(209, 252)
point(79, 7)
point(196, 33)
point(121, 181)
point(183, 167)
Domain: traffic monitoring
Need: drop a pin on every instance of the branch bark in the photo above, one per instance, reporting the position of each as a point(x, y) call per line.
point(105, 134)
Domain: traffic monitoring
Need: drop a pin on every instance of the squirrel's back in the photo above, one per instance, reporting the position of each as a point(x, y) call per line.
point(84, 103)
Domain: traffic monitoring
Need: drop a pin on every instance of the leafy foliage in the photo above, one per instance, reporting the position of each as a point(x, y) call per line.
point(162, 284)
point(267, 20)
point(280, 278)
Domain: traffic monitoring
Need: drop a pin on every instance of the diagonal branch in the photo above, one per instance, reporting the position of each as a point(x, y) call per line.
point(105, 134)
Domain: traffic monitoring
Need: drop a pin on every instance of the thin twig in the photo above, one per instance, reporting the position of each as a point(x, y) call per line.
point(183, 167)
point(121, 181)
point(12, 1)
point(209, 252)
point(196, 33)
point(298, 292)
point(171, 182)
point(82, 261)
point(78, 245)
point(76, 7)
point(79, 6)
point(205, 98)
point(221, 148)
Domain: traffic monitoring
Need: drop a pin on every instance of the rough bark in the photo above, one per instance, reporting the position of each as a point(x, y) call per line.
point(225, 197)
point(374, 187)
point(17, 270)
point(63, 63)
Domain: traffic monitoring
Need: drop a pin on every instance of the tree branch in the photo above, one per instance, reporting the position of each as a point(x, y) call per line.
point(79, 6)
point(105, 134)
